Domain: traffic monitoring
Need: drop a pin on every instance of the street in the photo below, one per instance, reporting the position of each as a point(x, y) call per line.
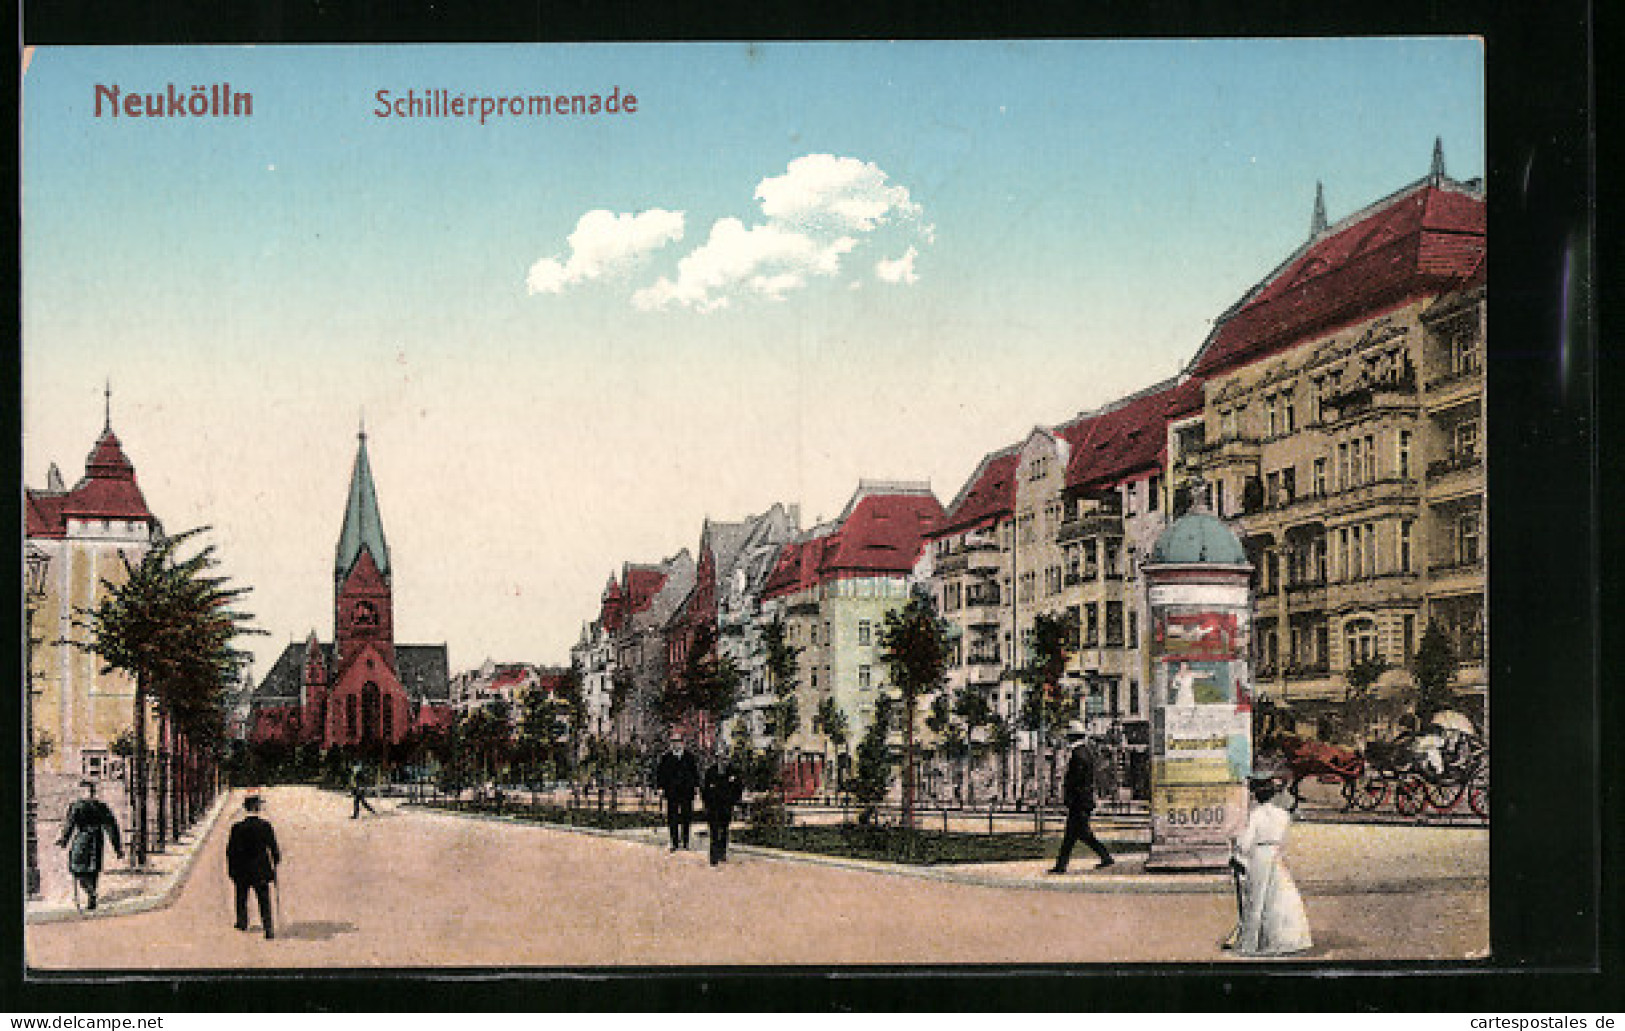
point(409, 888)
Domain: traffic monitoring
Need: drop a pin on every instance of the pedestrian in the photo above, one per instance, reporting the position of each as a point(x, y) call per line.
point(1078, 790)
point(720, 791)
point(1272, 919)
point(358, 795)
point(677, 775)
point(88, 819)
point(252, 857)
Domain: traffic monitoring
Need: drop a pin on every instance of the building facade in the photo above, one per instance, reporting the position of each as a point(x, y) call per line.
point(87, 533)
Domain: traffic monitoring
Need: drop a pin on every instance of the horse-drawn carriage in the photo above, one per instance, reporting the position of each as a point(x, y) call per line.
point(1437, 768)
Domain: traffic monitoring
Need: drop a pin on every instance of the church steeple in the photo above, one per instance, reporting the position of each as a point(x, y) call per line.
point(1436, 170)
point(363, 527)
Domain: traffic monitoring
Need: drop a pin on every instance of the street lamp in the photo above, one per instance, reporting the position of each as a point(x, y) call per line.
point(37, 562)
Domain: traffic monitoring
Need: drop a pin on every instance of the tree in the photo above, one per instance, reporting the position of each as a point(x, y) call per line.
point(1047, 709)
point(831, 722)
point(914, 647)
point(1435, 667)
point(1360, 695)
point(169, 626)
point(975, 711)
point(872, 777)
point(781, 663)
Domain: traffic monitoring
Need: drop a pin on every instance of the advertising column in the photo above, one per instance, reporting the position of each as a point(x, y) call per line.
point(1201, 711)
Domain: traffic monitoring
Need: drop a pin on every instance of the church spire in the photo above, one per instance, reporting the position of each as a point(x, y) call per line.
point(107, 406)
point(363, 527)
point(1317, 221)
point(1436, 170)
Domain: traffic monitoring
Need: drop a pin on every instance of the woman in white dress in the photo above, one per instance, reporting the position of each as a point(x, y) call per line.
point(1273, 922)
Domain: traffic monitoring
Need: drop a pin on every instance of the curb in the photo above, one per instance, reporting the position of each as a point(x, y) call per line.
point(146, 903)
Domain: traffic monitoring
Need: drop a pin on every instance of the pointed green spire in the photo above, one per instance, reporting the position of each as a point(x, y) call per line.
point(363, 527)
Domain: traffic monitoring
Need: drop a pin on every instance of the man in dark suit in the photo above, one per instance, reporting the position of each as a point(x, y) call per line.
point(87, 821)
point(677, 775)
point(720, 791)
point(1078, 788)
point(252, 857)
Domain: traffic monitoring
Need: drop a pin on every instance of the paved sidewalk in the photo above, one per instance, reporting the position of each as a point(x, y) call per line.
point(124, 890)
point(1325, 859)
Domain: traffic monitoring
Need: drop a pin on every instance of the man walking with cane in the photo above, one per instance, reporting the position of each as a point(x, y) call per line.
point(252, 857)
point(1078, 787)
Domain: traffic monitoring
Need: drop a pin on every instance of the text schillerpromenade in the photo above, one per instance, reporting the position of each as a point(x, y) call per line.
point(445, 103)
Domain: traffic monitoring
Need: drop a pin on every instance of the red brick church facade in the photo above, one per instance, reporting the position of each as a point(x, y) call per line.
point(362, 690)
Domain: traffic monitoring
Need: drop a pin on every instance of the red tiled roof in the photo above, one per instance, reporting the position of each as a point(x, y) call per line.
point(507, 675)
point(990, 494)
point(1130, 438)
point(882, 533)
point(1426, 237)
point(107, 491)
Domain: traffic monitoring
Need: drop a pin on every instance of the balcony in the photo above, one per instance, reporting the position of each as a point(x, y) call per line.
point(1233, 448)
point(1457, 575)
point(1455, 387)
point(984, 560)
point(953, 562)
point(1455, 476)
point(1095, 524)
point(1308, 670)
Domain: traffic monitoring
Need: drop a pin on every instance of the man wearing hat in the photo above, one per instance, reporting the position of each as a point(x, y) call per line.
point(82, 829)
point(1078, 790)
point(677, 776)
point(721, 791)
point(251, 861)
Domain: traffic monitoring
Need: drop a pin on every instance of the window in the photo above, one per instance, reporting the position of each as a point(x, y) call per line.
point(1356, 466)
point(865, 676)
point(1343, 466)
point(1466, 439)
point(1345, 571)
point(1153, 496)
point(1405, 551)
point(1467, 538)
point(1133, 697)
point(1315, 390)
point(1133, 629)
point(1463, 353)
point(1404, 454)
point(813, 674)
point(1114, 557)
point(863, 624)
point(1091, 564)
point(1114, 624)
point(829, 635)
point(1360, 636)
point(1272, 489)
point(1289, 414)
point(1289, 485)
point(1320, 477)
point(1270, 415)
point(1218, 499)
point(1370, 458)
point(1091, 625)
point(1371, 549)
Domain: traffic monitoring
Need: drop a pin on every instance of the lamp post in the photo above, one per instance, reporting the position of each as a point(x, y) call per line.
point(37, 563)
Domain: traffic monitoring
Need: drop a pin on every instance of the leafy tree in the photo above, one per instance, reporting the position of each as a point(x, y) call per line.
point(1046, 707)
point(1002, 741)
point(975, 712)
point(1359, 696)
point(914, 647)
point(170, 626)
point(706, 686)
point(573, 704)
point(872, 777)
point(1434, 668)
point(832, 722)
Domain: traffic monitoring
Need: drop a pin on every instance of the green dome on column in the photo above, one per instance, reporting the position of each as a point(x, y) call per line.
point(363, 527)
point(1197, 538)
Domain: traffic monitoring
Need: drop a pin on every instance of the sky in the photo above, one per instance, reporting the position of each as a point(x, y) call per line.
point(573, 338)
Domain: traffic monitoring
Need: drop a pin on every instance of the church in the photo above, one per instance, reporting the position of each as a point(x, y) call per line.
point(361, 690)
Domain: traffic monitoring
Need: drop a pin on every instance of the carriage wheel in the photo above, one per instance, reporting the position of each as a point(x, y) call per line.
point(1408, 796)
point(1369, 792)
point(1478, 796)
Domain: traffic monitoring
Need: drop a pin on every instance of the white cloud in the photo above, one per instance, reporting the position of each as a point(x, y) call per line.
point(605, 243)
point(769, 260)
point(825, 192)
point(899, 271)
